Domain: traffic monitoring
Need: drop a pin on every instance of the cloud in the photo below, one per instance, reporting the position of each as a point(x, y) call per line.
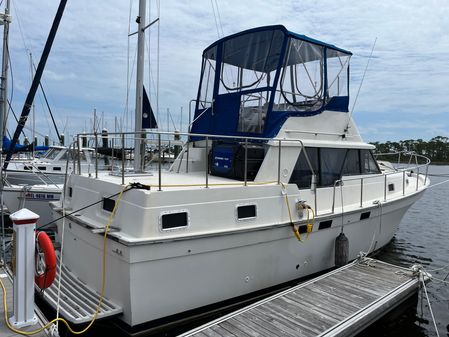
point(407, 78)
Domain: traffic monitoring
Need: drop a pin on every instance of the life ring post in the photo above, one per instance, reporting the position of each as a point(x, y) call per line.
point(24, 225)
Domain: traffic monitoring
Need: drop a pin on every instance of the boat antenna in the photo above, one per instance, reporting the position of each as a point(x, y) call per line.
point(360, 86)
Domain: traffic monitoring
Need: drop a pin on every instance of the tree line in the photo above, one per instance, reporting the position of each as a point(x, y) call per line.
point(436, 149)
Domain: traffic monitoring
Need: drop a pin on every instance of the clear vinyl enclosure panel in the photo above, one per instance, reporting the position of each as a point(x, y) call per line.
point(247, 68)
point(310, 76)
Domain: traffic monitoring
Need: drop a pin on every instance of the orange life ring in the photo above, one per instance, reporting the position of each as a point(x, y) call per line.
point(45, 272)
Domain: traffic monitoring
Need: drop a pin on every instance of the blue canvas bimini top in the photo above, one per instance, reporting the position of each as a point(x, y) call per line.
point(252, 81)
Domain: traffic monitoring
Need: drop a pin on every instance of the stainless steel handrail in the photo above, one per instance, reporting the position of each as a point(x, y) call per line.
point(279, 142)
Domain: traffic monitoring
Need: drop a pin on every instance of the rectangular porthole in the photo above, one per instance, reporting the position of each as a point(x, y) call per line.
point(41, 168)
point(325, 224)
point(246, 212)
point(365, 215)
point(57, 168)
point(174, 220)
point(70, 192)
point(302, 229)
point(390, 187)
point(108, 204)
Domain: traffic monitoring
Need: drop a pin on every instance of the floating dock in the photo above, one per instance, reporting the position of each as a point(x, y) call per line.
point(342, 302)
point(4, 330)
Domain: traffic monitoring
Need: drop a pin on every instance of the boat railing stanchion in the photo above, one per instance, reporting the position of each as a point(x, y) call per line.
point(78, 153)
point(427, 172)
point(279, 161)
point(207, 161)
point(403, 182)
point(96, 155)
point(123, 158)
point(385, 188)
point(417, 177)
point(336, 183)
point(246, 162)
point(74, 156)
point(361, 192)
point(159, 161)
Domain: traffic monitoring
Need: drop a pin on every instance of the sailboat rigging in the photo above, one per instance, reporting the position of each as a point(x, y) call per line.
point(36, 80)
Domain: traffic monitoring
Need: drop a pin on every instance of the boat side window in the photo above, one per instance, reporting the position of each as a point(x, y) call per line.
point(352, 163)
point(301, 86)
point(207, 80)
point(302, 175)
point(331, 163)
point(51, 154)
point(369, 164)
point(174, 220)
point(67, 154)
point(248, 61)
point(337, 73)
point(108, 204)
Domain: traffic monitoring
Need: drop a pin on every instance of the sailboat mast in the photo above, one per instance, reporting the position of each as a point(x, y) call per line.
point(5, 20)
point(36, 80)
point(138, 144)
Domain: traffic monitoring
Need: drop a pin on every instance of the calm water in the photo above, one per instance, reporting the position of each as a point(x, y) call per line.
point(423, 238)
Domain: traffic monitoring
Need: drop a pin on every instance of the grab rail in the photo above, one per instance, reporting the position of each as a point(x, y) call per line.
point(278, 142)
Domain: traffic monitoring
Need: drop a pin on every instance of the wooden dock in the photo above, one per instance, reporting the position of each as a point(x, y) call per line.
point(4, 330)
point(342, 302)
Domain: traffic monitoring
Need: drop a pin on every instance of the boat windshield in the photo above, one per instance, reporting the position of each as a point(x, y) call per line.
point(52, 153)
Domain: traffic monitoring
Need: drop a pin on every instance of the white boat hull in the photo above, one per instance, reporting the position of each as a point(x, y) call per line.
point(35, 198)
point(158, 279)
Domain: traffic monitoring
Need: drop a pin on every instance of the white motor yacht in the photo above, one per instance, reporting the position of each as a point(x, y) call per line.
point(273, 172)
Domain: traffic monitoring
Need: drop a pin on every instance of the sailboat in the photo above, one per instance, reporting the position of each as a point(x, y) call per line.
point(273, 172)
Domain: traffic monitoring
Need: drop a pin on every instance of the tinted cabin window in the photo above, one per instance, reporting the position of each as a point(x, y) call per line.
point(174, 220)
point(331, 162)
point(302, 175)
point(246, 212)
point(369, 164)
point(352, 163)
point(108, 204)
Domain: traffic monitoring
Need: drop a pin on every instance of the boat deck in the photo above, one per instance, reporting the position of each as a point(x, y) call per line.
point(4, 330)
point(340, 303)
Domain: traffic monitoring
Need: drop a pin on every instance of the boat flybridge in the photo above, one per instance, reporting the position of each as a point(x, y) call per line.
point(273, 171)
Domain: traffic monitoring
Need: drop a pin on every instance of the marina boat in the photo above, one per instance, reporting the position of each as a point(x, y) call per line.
point(36, 198)
point(52, 166)
point(273, 172)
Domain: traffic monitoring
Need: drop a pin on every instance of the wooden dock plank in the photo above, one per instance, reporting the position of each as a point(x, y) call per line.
point(285, 323)
point(291, 313)
point(353, 295)
point(250, 324)
point(377, 275)
point(373, 285)
point(273, 320)
point(327, 294)
point(303, 315)
point(338, 303)
point(266, 323)
point(325, 307)
point(229, 326)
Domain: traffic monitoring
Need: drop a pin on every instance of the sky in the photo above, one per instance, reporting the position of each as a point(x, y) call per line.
point(405, 93)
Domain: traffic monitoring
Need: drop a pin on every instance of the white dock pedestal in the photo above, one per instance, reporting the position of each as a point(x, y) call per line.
point(24, 225)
